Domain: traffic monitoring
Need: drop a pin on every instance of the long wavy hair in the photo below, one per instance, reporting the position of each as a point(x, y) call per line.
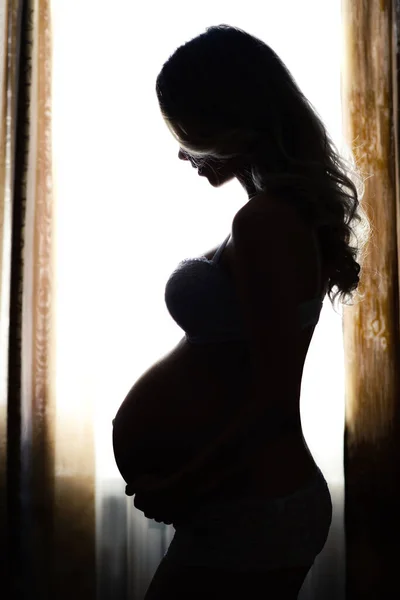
point(226, 94)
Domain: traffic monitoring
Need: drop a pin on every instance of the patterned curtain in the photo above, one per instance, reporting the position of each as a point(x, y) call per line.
point(371, 328)
point(46, 510)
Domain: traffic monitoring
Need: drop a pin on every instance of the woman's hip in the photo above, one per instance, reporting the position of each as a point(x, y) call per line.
point(255, 533)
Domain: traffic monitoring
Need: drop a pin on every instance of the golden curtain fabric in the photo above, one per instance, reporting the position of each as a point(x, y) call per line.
point(10, 426)
point(49, 549)
point(371, 328)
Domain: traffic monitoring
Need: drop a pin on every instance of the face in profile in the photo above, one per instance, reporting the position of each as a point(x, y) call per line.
point(216, 171)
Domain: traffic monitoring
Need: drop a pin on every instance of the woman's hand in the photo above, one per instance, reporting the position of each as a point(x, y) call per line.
point(147, 503)
point(153, 503)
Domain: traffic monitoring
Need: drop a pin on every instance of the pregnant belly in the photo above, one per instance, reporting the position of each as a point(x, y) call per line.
point(186, 399)
point(176, 406)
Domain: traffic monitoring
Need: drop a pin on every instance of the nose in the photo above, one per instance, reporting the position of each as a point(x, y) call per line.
point(182, 155)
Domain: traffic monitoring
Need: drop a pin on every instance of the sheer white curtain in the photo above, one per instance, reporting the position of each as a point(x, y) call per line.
point(128, 210)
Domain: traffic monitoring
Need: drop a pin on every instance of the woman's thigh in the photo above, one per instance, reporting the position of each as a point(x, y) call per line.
point(183, 582)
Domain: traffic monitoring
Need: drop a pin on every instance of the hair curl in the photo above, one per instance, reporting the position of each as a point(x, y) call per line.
point(226, 93)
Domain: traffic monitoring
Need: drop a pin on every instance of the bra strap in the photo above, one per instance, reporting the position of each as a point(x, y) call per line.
point(220, 250)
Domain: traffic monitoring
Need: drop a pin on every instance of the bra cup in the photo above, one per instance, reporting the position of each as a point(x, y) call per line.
point(201, 298)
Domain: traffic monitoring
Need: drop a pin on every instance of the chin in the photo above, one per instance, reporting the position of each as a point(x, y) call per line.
point(216, 183)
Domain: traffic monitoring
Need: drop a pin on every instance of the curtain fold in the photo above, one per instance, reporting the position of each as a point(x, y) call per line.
point(49, 549)
point(10, 411)
point(4, 287)
point(371, 328)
